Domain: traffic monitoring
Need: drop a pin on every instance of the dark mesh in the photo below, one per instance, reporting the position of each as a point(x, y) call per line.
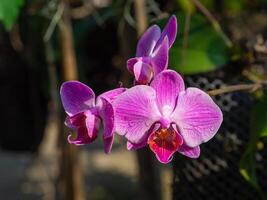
point(215, 175)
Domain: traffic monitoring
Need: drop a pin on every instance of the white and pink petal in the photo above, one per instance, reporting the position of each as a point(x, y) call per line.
point(110, 95)
point(197, 116)
point(135, 112)
point(191, 152)
point(168, 84)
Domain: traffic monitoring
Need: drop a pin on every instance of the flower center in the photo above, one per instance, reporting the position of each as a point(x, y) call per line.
point(164, 142)
point(165, 138)
point(166, 110)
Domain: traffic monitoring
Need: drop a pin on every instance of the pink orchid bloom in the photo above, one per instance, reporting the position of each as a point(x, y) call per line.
point(152, 52)
point(167, 117)
point(85, 113)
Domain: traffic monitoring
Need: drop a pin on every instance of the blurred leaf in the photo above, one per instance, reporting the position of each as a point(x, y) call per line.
point(205, 51)
point(259, 119)
point(186, 6)
point(258, 130)
point(9, 10)
point(209, 4)
point(234, 7)
point(247, 167)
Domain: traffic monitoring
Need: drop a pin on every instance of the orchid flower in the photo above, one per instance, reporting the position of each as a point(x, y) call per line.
point(86, 113)
point(167, 117)
point(152, 52)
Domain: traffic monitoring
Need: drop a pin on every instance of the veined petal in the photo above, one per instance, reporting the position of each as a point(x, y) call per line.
point(170, 30)
point(164, 143)
point(148, 41)
point(106, 113)
point(189, 151)
point(135, 112)
point(86, 125)
point(110, 95)
point(143, 141)
point(168, 84)
point(143, 72)
point(197, 116)
point(76, 97)
point(108, 142)
point(159, 58)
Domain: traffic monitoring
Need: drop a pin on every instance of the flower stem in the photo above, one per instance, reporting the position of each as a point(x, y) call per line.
point(234, 88)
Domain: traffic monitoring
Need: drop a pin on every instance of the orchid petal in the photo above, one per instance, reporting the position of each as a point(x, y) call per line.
point(135, 112)
point(110, 95)
point(143, 141)
point(108, 142)
point(92, 123)
point(189, 151)
point(170, 30)
point(148, 41)
point(197, 116)
point(76, 97)
point(86, 125)
point(130, 64)
point(167, 84)
point(68, 123)
point(143, 72)
point(160, 57)
point(106, 113)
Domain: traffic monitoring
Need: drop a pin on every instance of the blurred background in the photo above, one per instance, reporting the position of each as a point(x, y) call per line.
point(221, 44)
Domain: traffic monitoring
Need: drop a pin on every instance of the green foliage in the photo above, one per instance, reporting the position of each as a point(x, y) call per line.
point(234, 7)
point(258, 131)
point(259, 119)
point(205, 50)
point(186, 6)
point(247, 167)
point(209, 4)
point(9, 10)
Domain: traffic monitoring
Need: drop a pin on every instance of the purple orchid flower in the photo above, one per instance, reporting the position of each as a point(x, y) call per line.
point(167, 117)
point(85, 113)
point(152, 52)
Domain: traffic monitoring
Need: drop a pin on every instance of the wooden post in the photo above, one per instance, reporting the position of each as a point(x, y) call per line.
point(70, 166)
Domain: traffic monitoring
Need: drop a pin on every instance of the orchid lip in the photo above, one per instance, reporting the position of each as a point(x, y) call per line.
point(85, 134)
point(164, 143)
